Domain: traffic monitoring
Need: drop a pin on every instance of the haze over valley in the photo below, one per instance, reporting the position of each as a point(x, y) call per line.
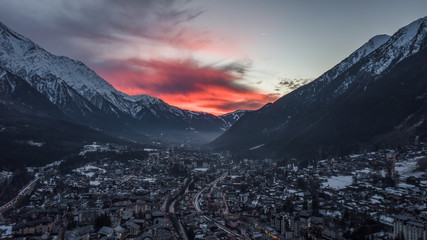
point(213, 120)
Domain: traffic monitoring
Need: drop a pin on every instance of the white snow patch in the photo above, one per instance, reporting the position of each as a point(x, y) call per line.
point(150, 150)
point(338, 182)
point(150, 180)
point(365, 170)
point(407, 167)
point(200, 169)
point(386, 220)
point(36, 144)
point(404, 185)
point(89, 170)
point(54, 164)
point(7, 231)
point(94, 183)
point(93, 148)
point(256, 147)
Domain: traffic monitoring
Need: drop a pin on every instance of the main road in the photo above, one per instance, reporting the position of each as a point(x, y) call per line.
point(196, 203)
point(24, 191)
point(196, 199)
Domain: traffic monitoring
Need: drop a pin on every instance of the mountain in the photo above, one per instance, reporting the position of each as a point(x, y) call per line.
point(231, 118)
point(85, 97)
point(374, 97)
point(34, 131)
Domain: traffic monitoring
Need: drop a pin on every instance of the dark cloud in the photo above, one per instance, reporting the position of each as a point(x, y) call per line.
point(290, 84)
point(238, 67)
point(66, 22)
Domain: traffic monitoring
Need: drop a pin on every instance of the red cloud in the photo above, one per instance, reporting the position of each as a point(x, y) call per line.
point(186, 84)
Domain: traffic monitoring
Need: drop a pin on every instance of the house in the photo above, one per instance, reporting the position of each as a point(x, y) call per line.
point(105, 232)
point(134, 229)
point(408, 228)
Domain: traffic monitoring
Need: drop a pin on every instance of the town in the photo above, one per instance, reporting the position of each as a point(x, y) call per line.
point(112, 192)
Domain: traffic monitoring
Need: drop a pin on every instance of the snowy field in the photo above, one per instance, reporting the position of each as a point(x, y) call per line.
point(406, 167)
point(89, 170)
point(5, 232)
point(94, 183)
point(338, 182)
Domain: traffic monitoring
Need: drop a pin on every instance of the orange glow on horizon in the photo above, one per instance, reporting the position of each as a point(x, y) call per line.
point(208, 101)
point(187, 85)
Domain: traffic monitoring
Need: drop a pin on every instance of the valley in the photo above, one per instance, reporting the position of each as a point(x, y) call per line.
point(343, 156)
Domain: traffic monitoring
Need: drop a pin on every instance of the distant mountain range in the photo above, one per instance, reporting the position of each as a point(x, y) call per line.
point(376, 97)
point(51, 105)
point(84, 97)
point(60, 104)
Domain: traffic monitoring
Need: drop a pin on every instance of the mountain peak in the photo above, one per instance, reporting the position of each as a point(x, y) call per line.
point(143, 97)
point(410, 31)
point(4, 27)
point(360, 100)
point(379, 40)
point(6, 31)
point(407, 41)
point(370, 46)
point(233, 117)
point(240, 111)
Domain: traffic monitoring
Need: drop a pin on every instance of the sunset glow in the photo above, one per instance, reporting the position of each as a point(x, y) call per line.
point(211, 56)
point(214, 89)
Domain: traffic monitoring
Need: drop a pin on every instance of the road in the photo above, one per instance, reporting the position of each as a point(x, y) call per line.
point(24, 191)
point(196, 203)
point(196, 199)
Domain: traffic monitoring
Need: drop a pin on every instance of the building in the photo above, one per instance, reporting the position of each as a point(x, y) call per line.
point(405, 227)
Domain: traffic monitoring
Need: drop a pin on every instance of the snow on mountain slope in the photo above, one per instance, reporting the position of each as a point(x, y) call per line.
point(24, 58)
point(308, 94)
point(325, 79)
point(369, 47)
point(360, 53)
point(51, 75)
point(18, 97)
point(382, 52)
point(231, 118)
point(62, 79)
point(331, 106)
point(404, 43)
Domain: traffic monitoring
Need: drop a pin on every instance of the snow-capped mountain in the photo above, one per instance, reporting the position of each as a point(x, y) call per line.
point(85, 97)
point(378, 89)
point(231, 118)
point(22, 57)
point(17, 96)
point(28, 116)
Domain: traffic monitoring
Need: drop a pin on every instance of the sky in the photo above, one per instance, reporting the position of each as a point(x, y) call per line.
point(203, 55)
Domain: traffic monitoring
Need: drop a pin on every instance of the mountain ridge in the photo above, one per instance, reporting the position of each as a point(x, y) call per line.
point(279, 126)
point(27, 116)
point(82, 94)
